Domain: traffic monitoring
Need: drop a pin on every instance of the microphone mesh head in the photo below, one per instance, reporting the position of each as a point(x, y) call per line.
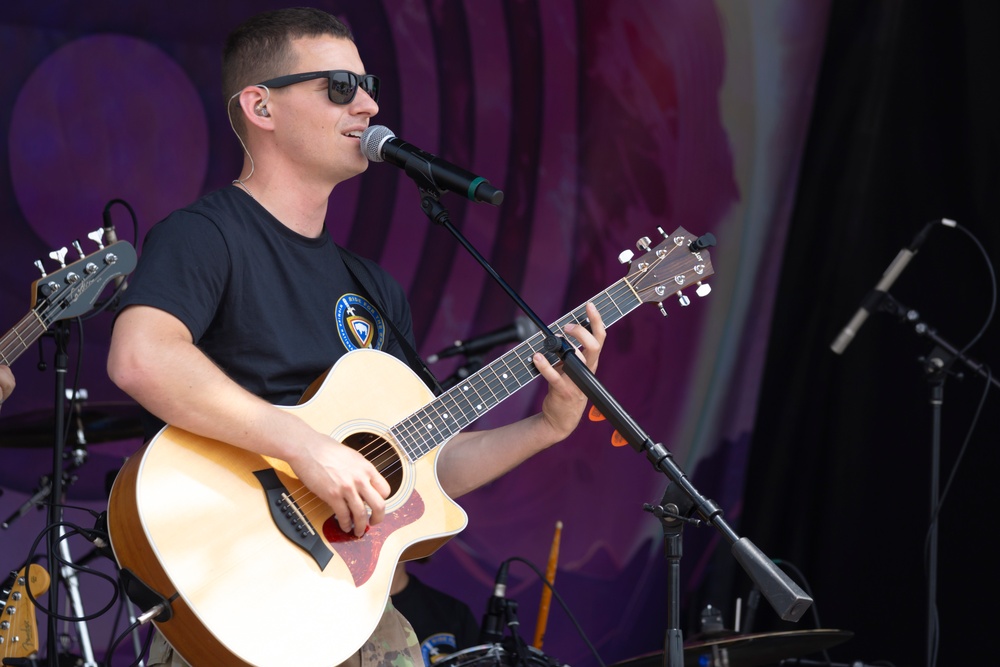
point(372, 140)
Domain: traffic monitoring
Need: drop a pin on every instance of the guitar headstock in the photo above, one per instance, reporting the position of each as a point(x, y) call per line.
point(679, 262)
point(72, 290)
point(18, 625)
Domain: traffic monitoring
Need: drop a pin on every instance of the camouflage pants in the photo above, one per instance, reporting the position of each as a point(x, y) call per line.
point(393, 644)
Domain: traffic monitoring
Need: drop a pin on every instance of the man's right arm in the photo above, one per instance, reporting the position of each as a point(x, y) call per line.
point(153, 359)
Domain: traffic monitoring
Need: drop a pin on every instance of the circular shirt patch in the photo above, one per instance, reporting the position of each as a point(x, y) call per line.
point(359, 324)
point(438, 647)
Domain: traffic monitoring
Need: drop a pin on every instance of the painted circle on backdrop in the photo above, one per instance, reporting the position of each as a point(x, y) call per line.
point(105, 117)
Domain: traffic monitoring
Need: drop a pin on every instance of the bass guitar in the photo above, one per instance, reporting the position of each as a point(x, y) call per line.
point(69, 292)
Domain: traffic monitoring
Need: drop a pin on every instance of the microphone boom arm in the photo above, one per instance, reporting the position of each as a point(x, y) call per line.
point(786, 597)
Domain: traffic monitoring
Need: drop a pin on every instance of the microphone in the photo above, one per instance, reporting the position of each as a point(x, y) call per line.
point(493, 621)
point(874, 297)
point(518, 331)
point(111, 237)
point(379, 143)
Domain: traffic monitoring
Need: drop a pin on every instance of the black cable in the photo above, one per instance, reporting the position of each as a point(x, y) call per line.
point(121, 637)
point(993, 284)
point(936, 629)
point(562, 603)
point(805, 586)
point(74, 530)
point(113, 299)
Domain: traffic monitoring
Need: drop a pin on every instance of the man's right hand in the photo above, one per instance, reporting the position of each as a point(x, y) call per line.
point(344, 479)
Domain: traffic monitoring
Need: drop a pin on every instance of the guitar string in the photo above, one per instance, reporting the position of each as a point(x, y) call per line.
point(15, 338)
point(381, 447)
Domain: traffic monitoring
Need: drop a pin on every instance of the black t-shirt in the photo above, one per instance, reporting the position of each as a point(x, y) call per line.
point(272, 308)
point(444, 624)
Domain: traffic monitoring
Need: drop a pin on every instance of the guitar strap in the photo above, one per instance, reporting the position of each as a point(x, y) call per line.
point(363, 278)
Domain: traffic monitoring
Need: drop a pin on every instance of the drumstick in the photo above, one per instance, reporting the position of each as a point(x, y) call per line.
point(550, 576)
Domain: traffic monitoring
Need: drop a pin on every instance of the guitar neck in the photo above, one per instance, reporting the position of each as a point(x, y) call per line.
point(452, 411)
point(21, 336)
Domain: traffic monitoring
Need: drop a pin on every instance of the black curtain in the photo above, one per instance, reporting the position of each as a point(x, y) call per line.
point(904, 131)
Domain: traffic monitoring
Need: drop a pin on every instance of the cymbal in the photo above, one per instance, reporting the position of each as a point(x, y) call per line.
point(750, 650)
point(97, 421)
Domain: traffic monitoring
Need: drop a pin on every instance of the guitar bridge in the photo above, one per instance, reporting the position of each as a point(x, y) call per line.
point(290, 519)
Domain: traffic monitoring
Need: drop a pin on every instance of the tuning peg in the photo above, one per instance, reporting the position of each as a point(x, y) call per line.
point(59, 256)
point(626, 257)
point(40, 267)
point(643, 244)
point(702, 289)
point(662, 233)
point(662, 309)
point(76, 246)
point(684, 299)
point(97, 236)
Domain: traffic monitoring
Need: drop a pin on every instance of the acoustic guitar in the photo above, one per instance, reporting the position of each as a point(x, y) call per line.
point(256, 570)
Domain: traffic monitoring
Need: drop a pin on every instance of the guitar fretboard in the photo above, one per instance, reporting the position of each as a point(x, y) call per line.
point(452, 411)
point(24, 333)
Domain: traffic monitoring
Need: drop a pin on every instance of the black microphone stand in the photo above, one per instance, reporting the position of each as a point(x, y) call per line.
point(936, 366)
point(788, 600)
point(673, 512)
point(60, 333)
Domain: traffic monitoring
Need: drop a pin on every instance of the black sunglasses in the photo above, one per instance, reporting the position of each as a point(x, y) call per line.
point(343, 83)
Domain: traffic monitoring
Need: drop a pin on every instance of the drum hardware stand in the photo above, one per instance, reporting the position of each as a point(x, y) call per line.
point(55, 491)
point(937, 366)
point(66, 573)
point(787, 598)
point(673, 512)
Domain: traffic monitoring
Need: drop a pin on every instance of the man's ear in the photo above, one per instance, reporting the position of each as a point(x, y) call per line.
point(253, 103)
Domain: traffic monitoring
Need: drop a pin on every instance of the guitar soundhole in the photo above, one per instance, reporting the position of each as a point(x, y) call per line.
point(382, 455)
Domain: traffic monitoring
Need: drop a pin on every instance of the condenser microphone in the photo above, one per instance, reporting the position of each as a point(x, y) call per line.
point(874, 297)
point(111, 238)
point(493, 621)
point(380, 144)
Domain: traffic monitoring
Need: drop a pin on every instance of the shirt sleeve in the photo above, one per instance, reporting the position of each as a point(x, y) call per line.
point(183, 270)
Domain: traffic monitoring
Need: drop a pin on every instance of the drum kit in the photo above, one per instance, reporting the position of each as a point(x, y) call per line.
point(747, 650)
point(114, 427)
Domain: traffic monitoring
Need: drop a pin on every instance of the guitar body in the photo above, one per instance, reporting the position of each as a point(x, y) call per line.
point(189, 517)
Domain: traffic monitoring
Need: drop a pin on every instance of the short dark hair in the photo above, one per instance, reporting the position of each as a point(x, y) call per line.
point(260, 48)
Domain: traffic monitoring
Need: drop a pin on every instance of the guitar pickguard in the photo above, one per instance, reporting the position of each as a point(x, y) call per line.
point(361, 554)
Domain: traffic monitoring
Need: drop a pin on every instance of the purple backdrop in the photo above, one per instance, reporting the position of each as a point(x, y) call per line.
point(600, 121)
